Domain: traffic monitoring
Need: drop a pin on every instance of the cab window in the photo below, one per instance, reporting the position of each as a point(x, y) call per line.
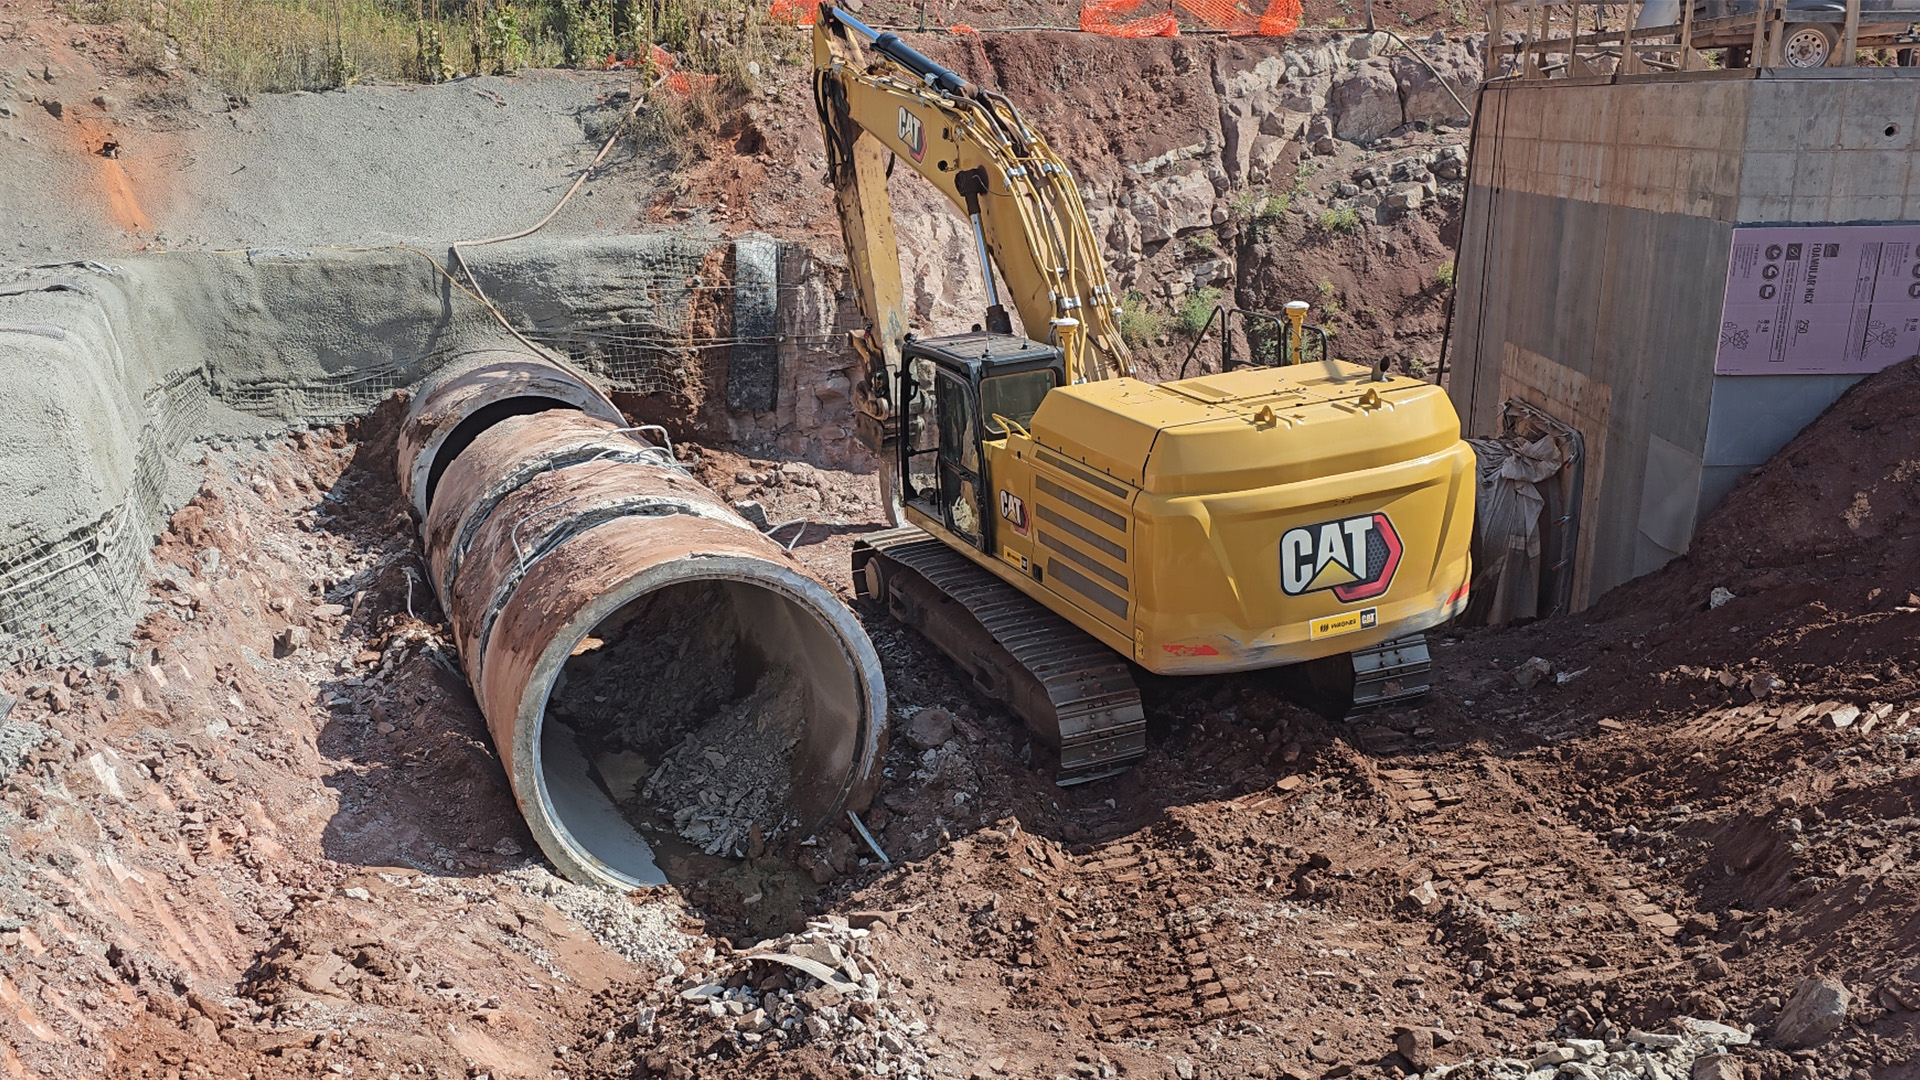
point(956, 424)
point(1015, 397)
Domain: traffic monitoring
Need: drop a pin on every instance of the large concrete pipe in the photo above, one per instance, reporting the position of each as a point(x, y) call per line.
point(473, 391)
point(634, 644)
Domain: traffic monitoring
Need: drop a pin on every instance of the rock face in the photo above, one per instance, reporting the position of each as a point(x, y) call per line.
point(1424, 96)
point(1816, 1010)
point(1365, 102)
point(1172, 206)
point(1191, 171)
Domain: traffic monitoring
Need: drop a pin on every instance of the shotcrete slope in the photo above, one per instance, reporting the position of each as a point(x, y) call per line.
point(193, 170)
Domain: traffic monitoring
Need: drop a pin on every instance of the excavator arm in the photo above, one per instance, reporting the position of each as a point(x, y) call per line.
point(880, 101)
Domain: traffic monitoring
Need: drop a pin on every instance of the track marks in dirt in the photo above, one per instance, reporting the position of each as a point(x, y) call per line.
point(1161, 966)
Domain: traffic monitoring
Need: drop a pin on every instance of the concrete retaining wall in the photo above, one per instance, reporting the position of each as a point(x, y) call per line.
point(1593, 262)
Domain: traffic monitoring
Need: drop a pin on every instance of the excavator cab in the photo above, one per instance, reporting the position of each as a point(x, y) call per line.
point(983, 387)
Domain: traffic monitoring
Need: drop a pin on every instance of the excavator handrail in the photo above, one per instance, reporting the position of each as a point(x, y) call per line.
point(1280, 343)
point(1224, 314)
point(1220, 313)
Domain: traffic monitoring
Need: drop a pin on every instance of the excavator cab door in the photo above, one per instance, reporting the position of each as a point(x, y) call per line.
point(947, 481)
point(959, 457)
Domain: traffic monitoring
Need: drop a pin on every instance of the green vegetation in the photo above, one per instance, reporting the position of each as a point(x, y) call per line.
point(263, 46)
point(1346, 221)
point(1259, 210)
point(1444, 274)
point(1330, 305)
point(1139, 326)
point(1196, 310)
point(1203, 243)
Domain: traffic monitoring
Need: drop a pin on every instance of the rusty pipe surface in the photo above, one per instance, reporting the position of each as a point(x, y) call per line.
point(557, 535)
point(555, 441)
point(475, 389)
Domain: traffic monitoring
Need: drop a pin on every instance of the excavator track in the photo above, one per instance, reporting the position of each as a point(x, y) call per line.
point(1073, 692)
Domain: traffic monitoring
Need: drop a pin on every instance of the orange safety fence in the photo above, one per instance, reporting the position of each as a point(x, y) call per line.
point(680, 82)
point(1281, 18)
point(1103, 17)
point(792, 12)
point(1109, 17)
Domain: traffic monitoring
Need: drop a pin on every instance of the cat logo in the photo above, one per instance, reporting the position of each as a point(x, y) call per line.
point(1014, 509)
point(911, 133)
point(1355, 557)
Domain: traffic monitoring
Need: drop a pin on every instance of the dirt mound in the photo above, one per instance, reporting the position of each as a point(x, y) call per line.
point(1800, 588)
point(1849, 484)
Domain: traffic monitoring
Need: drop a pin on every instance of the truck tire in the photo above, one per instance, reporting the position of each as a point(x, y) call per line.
point(1810, 45)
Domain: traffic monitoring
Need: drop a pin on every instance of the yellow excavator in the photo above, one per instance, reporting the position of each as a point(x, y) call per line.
point(1064, 520)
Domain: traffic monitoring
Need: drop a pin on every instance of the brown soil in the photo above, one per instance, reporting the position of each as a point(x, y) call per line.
point(187, 851)
point(1639, 842)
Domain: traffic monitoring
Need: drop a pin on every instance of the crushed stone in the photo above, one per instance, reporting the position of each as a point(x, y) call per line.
point(645, 932)
point(726, 785)
point(18, 738)
point(862, 1019)
point(1613, 1055)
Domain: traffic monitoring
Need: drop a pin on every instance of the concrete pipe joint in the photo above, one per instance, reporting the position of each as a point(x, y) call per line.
point(650, 666)
point(473, 391)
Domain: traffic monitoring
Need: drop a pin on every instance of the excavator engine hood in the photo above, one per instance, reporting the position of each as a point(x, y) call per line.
point(1272, 515)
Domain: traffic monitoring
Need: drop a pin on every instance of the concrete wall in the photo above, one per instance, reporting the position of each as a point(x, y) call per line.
point(1593, 262)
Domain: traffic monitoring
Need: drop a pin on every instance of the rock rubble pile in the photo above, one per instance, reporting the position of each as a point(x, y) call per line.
point(726, 785)
point(822, 987)
point(1697, 1049)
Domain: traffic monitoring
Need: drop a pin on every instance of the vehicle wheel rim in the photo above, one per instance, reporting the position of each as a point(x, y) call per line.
point(1806, 49)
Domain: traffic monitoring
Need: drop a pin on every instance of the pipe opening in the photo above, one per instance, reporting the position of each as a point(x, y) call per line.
point(476, 425)
point(711, 720)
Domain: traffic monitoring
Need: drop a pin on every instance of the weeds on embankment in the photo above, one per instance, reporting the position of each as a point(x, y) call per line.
point(263, 46)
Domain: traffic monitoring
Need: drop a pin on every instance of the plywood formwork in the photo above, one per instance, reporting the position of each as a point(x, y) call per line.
point(1593, 271)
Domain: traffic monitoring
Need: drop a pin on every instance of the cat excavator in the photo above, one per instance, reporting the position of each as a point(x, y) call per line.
point(1064, 520)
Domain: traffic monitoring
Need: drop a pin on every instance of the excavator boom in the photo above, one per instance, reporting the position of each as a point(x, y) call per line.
point(878, 99)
